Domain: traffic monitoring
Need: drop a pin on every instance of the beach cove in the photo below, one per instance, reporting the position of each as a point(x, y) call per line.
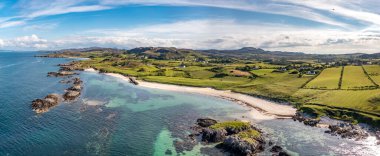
point(113, 116)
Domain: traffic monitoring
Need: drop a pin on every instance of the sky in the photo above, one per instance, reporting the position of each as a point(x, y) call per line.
point(310, 26)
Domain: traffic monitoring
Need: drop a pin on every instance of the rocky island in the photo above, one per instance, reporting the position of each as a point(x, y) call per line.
point(234, 137)
point(43, 105)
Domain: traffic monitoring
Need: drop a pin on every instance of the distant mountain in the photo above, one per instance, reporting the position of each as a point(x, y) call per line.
point(92, 49)
point(251, 52)
point(166, 53)
point(243, 53)
point(370, 56)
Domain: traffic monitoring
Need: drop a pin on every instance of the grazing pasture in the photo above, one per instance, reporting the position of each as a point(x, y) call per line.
point(355, 78)
point(328, 79)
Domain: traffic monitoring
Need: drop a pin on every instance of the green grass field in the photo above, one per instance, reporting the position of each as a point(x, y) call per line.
point(365, 100)
point(328, 79)
point(374, 72)
point(322, 90)
point(355, 78)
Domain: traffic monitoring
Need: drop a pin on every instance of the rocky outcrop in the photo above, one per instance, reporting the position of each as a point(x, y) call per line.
point(213, 135)
point(311, 122)
point(243, 146)
point(77, 81)
point(43, 105)
point(235, 137)
point(61, 73)
point(206, 122)
point(306, 120)
point(75, 88)
point(71, 95)
point(69, 66)
point(348, 130)
point(343, 129)
point(278, 151)
point(74, 91)
point(66, 70)
point(133, 81)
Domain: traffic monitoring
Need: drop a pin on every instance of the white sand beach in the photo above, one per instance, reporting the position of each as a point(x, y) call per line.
point(264, 109)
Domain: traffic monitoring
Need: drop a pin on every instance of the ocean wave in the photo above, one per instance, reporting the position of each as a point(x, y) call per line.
point(9, 65)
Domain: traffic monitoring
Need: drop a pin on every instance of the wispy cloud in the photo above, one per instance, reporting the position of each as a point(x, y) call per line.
point(65, 10)
point(40, 27)
point(11, 23)
point(350, 9)
point(317, 11)
point(30, 10)
point(267, 6)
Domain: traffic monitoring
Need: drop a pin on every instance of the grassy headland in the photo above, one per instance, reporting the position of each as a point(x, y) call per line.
point(317, 84)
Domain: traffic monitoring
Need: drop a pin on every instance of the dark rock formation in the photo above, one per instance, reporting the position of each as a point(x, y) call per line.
point(71, 95)
point(242, 146)
point(214, 135)
point(306, 120)
point(74, 91)
point(75, 88)
point(283, 153)
point(77, 81)
point(311, 122)
point(236, 137)
point(61, 73)
point(43, 105)
point(133, 81)
point(66, 68)
point(276, 149)
point(206, 122)
point(65, 81)
point(348, 130)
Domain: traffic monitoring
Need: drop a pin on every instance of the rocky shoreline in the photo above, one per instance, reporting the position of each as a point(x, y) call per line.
point(234, 137)
point(66, 71)
point(340, 128)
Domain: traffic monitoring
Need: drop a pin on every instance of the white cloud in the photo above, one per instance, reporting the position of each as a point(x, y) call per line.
point(216, 34)
point(1, 43)
point(26, 42)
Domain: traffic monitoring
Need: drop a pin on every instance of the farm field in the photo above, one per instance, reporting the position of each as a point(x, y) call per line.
point(355, 78)
point(374, 72)
point(363, 100)
point(328, 79)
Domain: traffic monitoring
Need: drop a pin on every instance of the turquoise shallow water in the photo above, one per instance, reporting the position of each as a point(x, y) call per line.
point(128, 120)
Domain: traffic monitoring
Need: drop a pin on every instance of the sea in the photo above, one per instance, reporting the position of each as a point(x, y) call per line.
point(114, 117)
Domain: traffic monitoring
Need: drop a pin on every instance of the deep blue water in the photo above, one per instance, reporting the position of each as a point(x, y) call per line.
point(113, 117)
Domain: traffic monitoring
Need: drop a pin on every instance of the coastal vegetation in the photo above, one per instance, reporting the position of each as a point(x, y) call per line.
point(340, 86)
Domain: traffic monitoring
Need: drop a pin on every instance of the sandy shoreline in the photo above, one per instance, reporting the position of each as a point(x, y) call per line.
point(264, 109)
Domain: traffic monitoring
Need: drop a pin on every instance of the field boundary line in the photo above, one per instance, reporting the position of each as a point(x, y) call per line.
point(341, 78)
point(369, 77)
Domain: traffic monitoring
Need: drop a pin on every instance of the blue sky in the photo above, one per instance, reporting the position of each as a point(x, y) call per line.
point(311, 26)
